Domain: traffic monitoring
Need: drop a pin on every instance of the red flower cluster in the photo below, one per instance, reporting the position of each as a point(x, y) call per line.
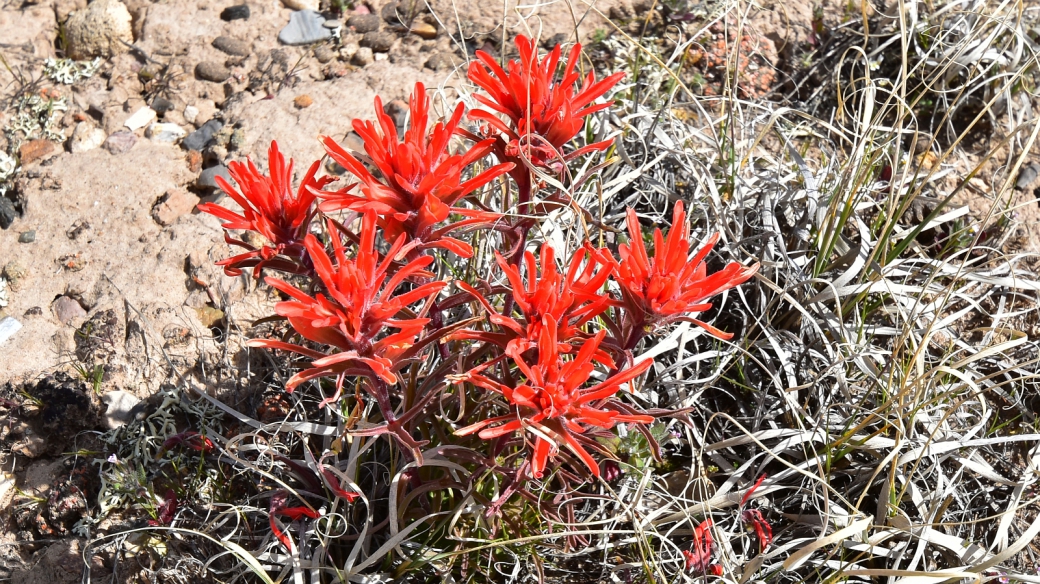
point(271, 209)
point(544, 112)
point(553, 406)
point(698, 558)
point(670, 286)
point(421, 182)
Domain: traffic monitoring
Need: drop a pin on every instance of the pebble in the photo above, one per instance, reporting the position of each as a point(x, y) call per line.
point(212, 71)
point(14, 272)
point(98, 30)
point(424, 30)
point(9, 325)
point(209, 316)
point(85, 137)
point(363, 23)
point(140, 118)
point(305, 27)
point(164, 133)
point(122, 408)
point(175, 203)
point(240, 12)
point(362, 57)
point(27, 236)
point(1027, 175)
point(161, 105)
point(34, 150)
point(303, 101)
point(194, 159)
point(198, 139)
point(332, 24)
point(232, 46)
point(120, 142)
point(190, 113)
point(302, 4)
point(7, 212)
point(324, 54)
point(67, 309)
point(439, 62)
point(379, 42)
point(207, 178)
point(348, 50)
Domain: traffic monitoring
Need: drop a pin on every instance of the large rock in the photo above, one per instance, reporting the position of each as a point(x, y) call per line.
point(99, 30)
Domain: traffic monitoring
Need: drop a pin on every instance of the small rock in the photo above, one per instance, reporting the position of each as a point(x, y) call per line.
point(362, 9)
point(333, 167)
point(85, 137)
point(165, 133)
point(232, 46)
point(398, 110)
point(198, 139)
point(363, 57)
point(34, 150)
point(332, 24)
point(27, 236)
point(363, 23)
point(348, 50)
point(324, 54)
point(209, 316)
point(122, 408)
point(190, 112)
point(161, 105)
point(303, 101)
point(9, 325)
point(7, 212)
point(424, 30)
point(140, 118)
point(439, 62)
point(382, 56)
point(305, 27)
point(302, 4)
point(175, 203)
point(240, 12)
point(67, 309)
point(1027, 175)
point(98, 30)
point(194, 159)
point(14, 272)
point(379, 42)
point(208, 177)
point(120, 142)
point(212, 71)
point(238, 139)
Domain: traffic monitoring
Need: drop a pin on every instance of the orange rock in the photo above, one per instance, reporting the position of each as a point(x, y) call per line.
point(303, 101)
point(34, 150)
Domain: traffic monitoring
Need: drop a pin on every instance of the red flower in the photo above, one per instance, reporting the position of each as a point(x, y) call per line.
point(552, 407)
point(360, 305)
point(166, 510)
point(569, 300)
point(189, 439)
point(544, 112)
point(670, 285)
point(279, 500)
point(421, 181)
point(270, 208)
point(755, 521)
point(698, 557)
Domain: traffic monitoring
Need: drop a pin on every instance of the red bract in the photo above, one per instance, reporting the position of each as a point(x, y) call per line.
point(279, 499)
point(166, 511)
point(570, 300)
point(189, 439)
point(698, 557)
point(754, 520)
point(361, 303)
point(544, 111)
point(552, 407)
point(421, 181)
point(670, 286)
point(270, 208)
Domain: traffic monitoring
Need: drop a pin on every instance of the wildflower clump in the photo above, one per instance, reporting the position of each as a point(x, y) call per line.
point(423, 309)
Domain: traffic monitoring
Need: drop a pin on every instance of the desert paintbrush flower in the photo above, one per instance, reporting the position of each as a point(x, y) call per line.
point(270, 208)
point(552, 408)
point(421, 182)
point(544, 111)
point(670, 286)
